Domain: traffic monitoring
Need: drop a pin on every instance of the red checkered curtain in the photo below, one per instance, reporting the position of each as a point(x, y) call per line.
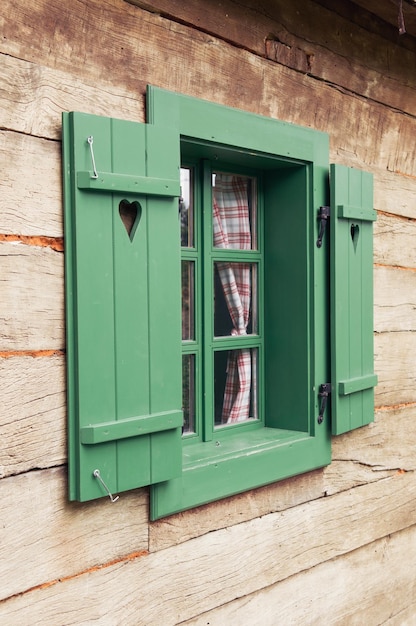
point(231, 225)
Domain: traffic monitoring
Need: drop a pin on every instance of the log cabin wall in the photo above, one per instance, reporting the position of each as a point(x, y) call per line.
point(335, 546)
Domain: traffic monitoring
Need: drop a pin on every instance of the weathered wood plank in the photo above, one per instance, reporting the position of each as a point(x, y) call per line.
point(32, 292)
point(370, 453)
point(33, 96)
point(361, 129)
point(237, 509)
point(370, 66)
point(33, 413)
point(394, 241)
point(394, 299)
point(30, 185)
point(350, 590)
point(44, 537)
point(219, 567)
point(394, 362)
point(394, 194)
point(360, 457)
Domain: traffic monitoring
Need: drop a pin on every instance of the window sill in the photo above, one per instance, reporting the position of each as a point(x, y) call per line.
point(239, 463)
point(231, 445)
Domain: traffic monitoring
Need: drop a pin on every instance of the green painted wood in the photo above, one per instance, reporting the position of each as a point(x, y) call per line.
point(107, 181)
point(295, 165)
point(352, 402)
point(118, 324)
point(357, 213)
point(130, 427)
point(346, 387)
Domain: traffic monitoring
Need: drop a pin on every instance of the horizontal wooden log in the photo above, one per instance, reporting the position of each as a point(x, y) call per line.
point(394, 241)
point(359, 457)
point(394, 359)
point(370, 132)
point(32, 292)
point(34, 95)
point(393, 193)
point(207, 572)
point(394, 299)
point(30, 185)
point(237, 509)
point(388, 444)
point(33, 413)
point(58, 538)
point(351, 589)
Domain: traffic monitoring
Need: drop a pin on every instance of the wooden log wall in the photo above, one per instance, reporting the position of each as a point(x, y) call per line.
point(336, 546)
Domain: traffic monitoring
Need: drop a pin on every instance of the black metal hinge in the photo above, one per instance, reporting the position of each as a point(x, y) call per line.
point(323, 216)
point(324, 391)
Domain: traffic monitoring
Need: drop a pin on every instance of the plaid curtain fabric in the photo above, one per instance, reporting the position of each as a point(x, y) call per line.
point(231, 226)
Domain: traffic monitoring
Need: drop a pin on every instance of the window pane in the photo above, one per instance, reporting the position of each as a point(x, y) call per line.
point(188, 393)
point(186, 209)
point(235, 299)
point(234, 211)
point(235, 386)
point(188, 300)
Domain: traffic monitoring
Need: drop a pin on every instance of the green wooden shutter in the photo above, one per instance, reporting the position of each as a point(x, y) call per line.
point(123, 304)
point(352, 354)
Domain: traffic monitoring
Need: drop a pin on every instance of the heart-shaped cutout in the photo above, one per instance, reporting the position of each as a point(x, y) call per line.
point(130, 213)
point(355, 233)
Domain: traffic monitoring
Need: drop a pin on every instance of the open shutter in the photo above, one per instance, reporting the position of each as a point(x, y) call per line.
point(121, 183)
point(352, 354)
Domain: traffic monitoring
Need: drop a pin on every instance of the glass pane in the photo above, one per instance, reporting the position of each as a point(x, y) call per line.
point(188, 393)
point(188, 300)
point(235, 299)
point(186, 209)
point(234, 211)
point(235, 386)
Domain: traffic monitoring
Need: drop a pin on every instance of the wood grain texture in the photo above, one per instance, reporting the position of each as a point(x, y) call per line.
point(30, 185)
point(363, 456)
point(33, 413)
point(394, 299)
point(247, 506)
point(207, 572)
point(394, 241)
point(46, 538)
point(155, 50)
point(386, 444)
point(355, 55)
point(348, 591)
point(32, 307)
point(33, 95)
point(394, 359)
point(394, 193)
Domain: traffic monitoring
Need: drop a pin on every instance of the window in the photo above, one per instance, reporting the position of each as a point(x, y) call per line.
point(199, 339)
point(221, 268)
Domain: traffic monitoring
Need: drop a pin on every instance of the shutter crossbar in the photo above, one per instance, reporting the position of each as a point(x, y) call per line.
point(130, 427)
point(360, 383)
point(124, 183)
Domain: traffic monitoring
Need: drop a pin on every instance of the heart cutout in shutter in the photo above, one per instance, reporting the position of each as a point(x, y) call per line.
point(355, 233)
point(130, 213)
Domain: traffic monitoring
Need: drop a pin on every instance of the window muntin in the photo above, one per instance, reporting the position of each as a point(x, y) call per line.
point(222, 270)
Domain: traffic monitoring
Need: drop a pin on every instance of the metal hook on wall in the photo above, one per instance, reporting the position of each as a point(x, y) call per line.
point(97, 475)
point(90, 140)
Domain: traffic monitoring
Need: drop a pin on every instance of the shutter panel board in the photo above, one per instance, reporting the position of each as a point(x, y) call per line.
point(352, 353)
point(122, 417)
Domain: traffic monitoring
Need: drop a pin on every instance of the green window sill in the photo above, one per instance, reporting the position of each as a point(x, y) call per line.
point(229, 465)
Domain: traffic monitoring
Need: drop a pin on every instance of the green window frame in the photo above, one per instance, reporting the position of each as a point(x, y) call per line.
point(125, 411)
point(212, 336)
